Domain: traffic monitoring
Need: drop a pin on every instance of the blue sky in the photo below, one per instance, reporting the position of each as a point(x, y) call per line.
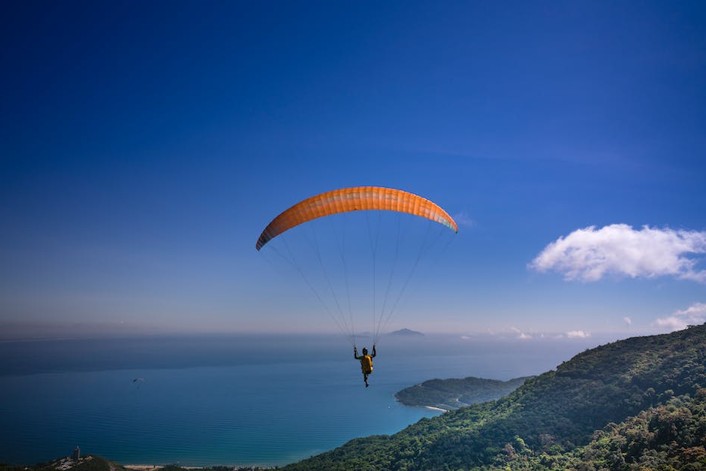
point(144, 146)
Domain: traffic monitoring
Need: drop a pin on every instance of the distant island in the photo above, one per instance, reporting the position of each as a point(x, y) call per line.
point(406, 333)
point(450, 394)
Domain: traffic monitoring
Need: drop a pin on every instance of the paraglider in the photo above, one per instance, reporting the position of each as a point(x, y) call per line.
point(366, 362)
point(370, 230)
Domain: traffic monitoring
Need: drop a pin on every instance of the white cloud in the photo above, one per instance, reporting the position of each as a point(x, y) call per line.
point(521, 335)
point(589, 254)
point(627, 321)
point(578, 334)
point(693, 315)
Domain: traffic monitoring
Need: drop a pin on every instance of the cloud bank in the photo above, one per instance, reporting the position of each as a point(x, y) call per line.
point(578, 334)
point(521, 335)
point(589, 254)
point(693, 315)
point(572, 334)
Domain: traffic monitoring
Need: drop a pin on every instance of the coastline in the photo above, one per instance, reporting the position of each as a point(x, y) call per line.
point(439, 409)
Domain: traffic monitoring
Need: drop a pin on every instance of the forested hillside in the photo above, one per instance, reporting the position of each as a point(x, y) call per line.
point(618, 406)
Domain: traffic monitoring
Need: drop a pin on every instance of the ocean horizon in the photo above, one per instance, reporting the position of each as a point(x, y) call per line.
point(208, 400)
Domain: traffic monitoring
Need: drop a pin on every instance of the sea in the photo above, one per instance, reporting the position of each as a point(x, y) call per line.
point(232, 400)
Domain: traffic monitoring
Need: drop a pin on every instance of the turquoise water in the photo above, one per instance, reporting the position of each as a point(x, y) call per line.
point(228, 400)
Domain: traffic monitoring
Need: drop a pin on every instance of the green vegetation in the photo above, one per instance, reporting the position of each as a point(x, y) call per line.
point(634, 404)
point(450, 394)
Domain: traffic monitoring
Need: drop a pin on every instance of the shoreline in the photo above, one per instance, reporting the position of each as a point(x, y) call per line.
point(435, 408)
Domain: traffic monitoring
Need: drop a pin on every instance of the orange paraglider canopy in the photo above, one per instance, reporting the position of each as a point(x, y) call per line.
point(361, 198)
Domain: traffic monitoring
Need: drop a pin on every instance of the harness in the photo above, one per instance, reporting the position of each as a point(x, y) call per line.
point(366, 364)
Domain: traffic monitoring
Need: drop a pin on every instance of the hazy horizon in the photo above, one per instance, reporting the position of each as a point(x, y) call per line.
point(48, 331)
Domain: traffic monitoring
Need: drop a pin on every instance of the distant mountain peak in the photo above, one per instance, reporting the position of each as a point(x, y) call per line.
point(406, 333)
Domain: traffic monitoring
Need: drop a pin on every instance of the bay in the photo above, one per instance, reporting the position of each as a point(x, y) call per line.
point(230, 400)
